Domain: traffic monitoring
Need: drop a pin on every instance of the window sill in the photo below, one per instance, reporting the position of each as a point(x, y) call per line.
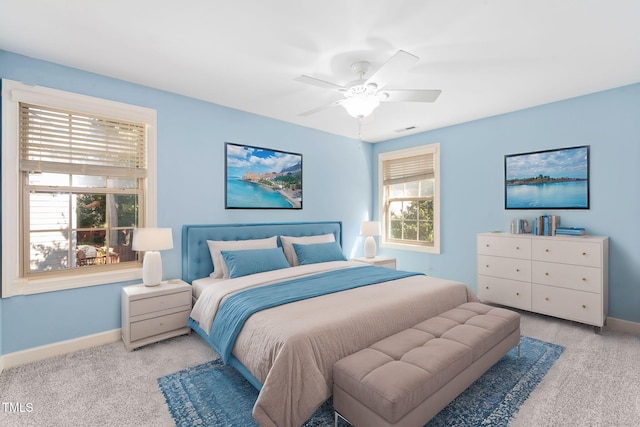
point(60, 283)
point(408, 247)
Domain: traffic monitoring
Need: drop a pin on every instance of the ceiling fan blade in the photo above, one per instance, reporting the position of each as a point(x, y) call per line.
point(411, 95)
point(321, 108)
point(400, 62)
point(319, 83)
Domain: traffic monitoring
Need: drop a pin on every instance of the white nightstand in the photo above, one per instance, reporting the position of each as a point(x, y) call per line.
point(380, 261)
point(154, 313)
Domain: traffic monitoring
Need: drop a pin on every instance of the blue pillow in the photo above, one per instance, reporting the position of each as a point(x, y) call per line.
point(251, 261)
point(318, 252)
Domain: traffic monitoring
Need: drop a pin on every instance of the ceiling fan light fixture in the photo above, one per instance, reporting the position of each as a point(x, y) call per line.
point(360, 106)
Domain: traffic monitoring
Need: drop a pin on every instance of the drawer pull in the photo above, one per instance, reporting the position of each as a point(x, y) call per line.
point(584, 279)
point(487, 265)
point(546, 274)
point(584, 254)
point(486, 287)
point(546, 298)
point(517, 248)
point(487, 245)
point(547, 250)
point(518, 293)
point(517, 270)
point(584, 306)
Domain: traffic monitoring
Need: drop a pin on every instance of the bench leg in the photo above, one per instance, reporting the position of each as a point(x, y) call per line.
point(336, 417)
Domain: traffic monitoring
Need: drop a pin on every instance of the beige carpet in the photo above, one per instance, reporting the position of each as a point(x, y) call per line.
point(596, 382)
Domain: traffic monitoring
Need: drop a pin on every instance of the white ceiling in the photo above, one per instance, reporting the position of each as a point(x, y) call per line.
point(487, 56)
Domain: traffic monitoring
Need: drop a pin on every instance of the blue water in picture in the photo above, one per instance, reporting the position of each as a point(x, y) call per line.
point(241, 194)
point(573, 194)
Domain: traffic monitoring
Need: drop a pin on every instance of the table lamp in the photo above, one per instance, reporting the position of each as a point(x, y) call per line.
point(370, 229)
point(150, 241)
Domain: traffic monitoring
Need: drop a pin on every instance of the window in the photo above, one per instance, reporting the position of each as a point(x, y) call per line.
point(82, 178)
point(410, 198)
point(79, 176)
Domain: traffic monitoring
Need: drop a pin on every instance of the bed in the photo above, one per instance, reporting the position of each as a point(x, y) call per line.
point(287, 351)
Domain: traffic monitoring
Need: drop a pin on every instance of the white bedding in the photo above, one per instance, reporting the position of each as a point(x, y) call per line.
point(198, 286)
point(212, 291)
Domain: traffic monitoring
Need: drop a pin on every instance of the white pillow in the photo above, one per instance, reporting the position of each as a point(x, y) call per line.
point(288, 241)
point(215, 246)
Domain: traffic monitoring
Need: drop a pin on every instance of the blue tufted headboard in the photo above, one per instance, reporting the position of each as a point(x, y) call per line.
point(196, 259)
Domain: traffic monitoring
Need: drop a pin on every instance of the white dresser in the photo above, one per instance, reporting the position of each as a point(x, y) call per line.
point(561, 276)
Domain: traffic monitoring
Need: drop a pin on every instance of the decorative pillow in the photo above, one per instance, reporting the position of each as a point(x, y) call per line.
point(288, 241)
point(251, 261)
point(215, 246)
point(318, 252)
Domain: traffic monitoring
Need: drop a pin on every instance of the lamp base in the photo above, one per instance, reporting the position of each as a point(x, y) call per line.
point(152, 268)
point(369, 247)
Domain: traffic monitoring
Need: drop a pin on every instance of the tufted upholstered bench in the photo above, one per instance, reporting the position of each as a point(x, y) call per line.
point(407, 378)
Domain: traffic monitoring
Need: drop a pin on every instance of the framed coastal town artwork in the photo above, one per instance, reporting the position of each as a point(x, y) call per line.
point(549, 179)
point(262, 178)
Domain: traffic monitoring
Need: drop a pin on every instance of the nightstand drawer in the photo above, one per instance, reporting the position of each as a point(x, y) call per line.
point(163, 302)
point(159, 325)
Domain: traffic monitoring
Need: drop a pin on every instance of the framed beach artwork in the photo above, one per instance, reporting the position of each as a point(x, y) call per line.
point(549, 179)
point(262, 178)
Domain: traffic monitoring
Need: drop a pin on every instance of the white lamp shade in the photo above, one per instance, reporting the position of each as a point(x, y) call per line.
point(370, 228)
point(152, 239)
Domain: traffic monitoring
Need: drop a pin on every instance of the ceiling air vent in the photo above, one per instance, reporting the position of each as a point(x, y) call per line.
point(405, 129)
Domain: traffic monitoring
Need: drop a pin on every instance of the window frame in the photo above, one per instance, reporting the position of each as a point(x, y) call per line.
point(13, 93)
point(433, 149)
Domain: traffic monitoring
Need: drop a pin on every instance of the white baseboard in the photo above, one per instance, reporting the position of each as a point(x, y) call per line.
point(623, 326)
point(56, 349)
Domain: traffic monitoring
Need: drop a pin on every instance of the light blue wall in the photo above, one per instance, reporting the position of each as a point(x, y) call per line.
point(472, 163)
point(338, 185)
point(191, 137)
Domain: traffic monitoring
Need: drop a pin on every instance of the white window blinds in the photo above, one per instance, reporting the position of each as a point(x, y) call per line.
point(408, 169)
point(59, 141)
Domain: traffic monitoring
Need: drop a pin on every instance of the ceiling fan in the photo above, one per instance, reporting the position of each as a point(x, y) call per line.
point(362, 96)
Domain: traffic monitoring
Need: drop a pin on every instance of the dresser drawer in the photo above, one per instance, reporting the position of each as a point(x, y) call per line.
point(506, 268)
point(576, 252)
point(163, 302)
point(585, 307)
point(505, 292)
point(512, 247)
point(588, 279)
point(158, 325)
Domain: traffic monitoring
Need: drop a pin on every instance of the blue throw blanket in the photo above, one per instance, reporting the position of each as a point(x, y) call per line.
point(237, 308)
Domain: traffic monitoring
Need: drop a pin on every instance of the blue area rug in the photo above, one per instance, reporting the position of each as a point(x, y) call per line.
point(212, 394)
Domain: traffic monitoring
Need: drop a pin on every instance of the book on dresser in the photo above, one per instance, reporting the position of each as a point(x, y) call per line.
point(561, 276)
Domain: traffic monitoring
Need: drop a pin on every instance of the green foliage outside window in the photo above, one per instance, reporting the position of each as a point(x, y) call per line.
point(411, 220)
